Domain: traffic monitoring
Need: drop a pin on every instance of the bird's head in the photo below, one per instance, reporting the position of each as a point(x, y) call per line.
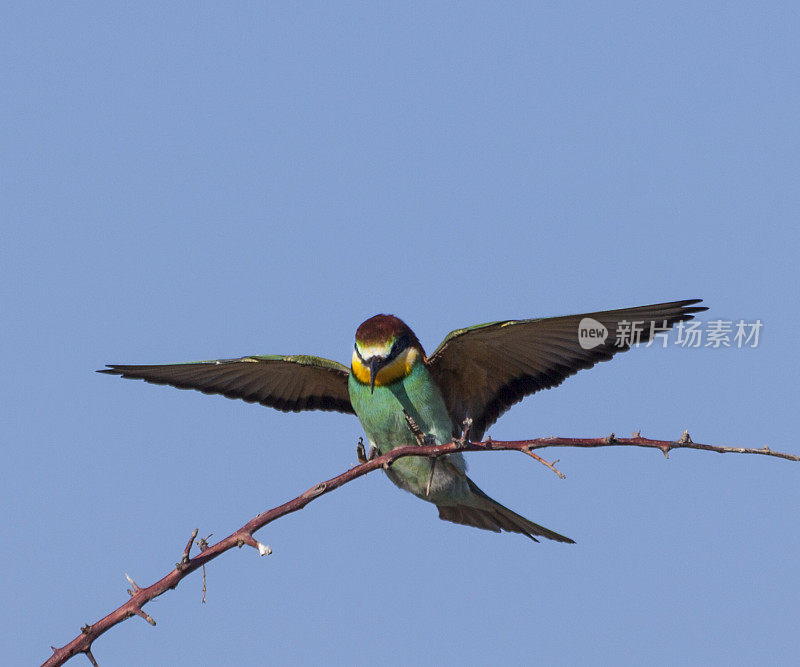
point(386, 351)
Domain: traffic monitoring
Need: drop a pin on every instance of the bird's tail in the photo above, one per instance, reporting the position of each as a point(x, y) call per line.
point(488, 514)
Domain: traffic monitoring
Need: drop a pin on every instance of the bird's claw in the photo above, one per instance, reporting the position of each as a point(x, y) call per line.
point(365, 455)
point(361, 452)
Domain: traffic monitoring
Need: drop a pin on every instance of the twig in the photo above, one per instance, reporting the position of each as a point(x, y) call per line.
point(82, 643)
point(547, 464)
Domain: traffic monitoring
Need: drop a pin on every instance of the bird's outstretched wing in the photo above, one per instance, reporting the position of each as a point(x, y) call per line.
point(288, 383)
point(483, 370)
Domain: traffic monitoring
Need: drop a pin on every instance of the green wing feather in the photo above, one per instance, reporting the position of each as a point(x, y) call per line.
point(485, 369)
point(288, 383)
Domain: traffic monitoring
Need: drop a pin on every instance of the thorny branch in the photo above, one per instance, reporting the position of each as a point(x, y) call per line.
point(244, 536)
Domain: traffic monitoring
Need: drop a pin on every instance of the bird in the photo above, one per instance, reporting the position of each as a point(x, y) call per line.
point(403, 397)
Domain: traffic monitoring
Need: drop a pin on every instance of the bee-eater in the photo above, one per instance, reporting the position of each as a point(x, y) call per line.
point(476, 373)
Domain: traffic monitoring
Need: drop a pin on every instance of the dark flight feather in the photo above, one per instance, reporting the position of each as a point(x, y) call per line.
point(288, 383)
point(483, 370)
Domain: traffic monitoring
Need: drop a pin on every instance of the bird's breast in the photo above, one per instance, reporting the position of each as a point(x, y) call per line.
point(382, 412)
point(382, 415)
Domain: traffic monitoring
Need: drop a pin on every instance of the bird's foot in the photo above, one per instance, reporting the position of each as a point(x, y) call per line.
point(415, 429)
point(463, 440)
point(361, 452)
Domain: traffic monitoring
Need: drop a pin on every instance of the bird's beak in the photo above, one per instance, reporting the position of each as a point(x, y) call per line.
point(374, 366)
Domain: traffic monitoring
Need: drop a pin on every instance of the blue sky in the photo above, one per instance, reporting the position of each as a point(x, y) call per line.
point(201, 181)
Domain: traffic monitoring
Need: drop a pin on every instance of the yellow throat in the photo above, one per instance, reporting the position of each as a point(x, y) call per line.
point(396, 370)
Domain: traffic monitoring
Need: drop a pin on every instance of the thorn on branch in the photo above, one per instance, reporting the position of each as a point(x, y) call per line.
point(89, 655)
point(637, 434)
point(86, 628)
point(611, 439)
point(202, 543)
point(135, 586)
point(141, 612)
point(685, 439)
point(184, 561)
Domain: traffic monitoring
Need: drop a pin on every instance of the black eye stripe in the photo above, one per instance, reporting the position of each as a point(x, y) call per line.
point(399, 345)
point(393, 353)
